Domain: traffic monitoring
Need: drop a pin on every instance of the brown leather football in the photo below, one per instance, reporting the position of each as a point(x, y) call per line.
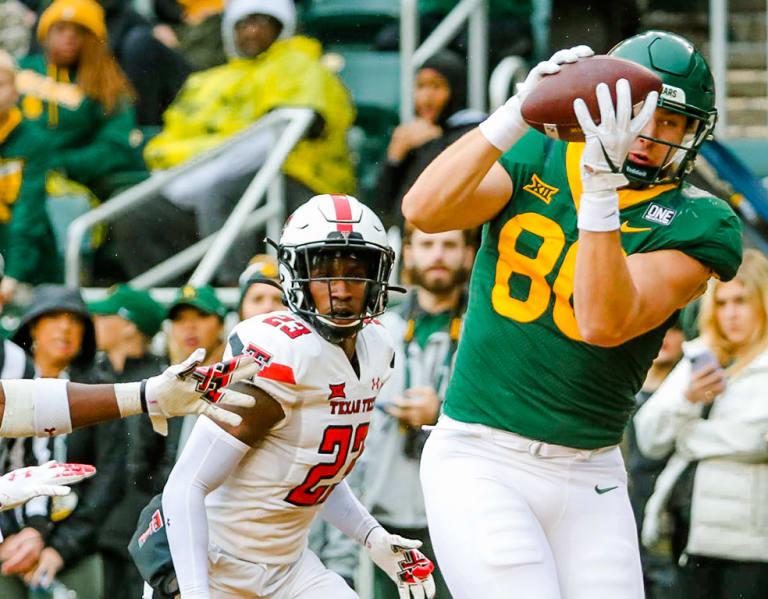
point(549, 106)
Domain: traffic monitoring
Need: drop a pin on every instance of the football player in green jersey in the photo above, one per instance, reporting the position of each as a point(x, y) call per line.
point(588, 252)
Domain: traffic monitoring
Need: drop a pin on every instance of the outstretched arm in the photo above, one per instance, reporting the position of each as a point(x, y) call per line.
point(617, 298)
point(465, 186)
point(47, 407)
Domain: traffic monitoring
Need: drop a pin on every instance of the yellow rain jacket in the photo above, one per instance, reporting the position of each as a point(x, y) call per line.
point(218, 102)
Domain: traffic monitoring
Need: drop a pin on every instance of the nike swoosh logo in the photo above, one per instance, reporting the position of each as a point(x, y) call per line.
point(600, 491)
point(625, 228)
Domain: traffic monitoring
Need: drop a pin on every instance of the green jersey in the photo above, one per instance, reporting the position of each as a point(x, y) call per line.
point(522, 365)
point(26, 237)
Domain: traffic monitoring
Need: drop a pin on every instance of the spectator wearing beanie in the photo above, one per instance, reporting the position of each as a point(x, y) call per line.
point(258, 292)
point(440, 103)
point(77, 97)
point(269, 67)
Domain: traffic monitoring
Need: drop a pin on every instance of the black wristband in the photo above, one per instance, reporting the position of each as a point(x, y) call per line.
point(143, 395)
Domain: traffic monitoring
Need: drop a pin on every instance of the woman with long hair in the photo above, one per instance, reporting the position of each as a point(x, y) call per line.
point(78, 96)
point(712, 413)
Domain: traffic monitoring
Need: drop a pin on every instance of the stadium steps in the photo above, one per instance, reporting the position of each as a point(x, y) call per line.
point(747, 103)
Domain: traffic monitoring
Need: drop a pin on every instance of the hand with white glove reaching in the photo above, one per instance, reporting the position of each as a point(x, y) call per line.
point(19, 486)
point(189, 388)
point(401, 559)
point(506, 126)
point(605, 151)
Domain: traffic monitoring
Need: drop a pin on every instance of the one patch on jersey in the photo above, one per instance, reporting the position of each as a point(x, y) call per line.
point(541, 190)
point(155, 524)
point(337, 391)
point(659, 214)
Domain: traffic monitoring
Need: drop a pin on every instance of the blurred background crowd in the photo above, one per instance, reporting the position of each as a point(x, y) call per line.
point(98, 99)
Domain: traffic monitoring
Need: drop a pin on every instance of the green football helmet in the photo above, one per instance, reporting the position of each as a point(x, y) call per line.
point(687, 88)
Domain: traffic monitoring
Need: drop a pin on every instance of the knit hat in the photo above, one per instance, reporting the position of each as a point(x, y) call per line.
point(134, 305)
point(454, 69)
point(202, 298)
point(261, 267)
point(87, 13)
point(282, 10)
point(57, 298)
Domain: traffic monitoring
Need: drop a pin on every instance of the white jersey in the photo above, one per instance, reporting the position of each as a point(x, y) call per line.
point(263, 511)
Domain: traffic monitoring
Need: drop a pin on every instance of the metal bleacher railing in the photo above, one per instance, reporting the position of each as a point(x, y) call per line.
point(475, 12)
point(291, 124)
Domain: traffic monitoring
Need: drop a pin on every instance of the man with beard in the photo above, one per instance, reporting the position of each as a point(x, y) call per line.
point(425, 329)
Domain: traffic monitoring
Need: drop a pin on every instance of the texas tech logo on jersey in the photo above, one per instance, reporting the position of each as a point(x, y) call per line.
point(212, 378)
point(155, 524)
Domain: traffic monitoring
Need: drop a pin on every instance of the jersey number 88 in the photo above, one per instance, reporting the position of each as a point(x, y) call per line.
point(536, 269)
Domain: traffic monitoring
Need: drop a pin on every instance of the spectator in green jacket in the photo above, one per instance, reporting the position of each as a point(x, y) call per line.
point(26, 239)
point(77, 96)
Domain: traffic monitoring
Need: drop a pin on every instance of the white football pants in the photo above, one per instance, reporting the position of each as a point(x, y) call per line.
point(514, 518)
point(306, 578)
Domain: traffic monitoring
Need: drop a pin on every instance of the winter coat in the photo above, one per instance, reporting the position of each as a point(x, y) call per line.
point(218, 102)
point(729, 508)
point(26, 237)
point(82, 140)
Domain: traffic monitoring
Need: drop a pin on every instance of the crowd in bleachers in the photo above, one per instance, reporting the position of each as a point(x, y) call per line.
point(96, 96)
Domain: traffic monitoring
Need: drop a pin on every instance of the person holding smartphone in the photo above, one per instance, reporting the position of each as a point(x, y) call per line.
point(712, 411)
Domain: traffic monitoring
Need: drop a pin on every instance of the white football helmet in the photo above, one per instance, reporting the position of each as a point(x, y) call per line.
point(334, 225)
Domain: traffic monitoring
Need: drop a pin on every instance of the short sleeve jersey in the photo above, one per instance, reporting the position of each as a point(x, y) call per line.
point(522, 365)
point(263, 511)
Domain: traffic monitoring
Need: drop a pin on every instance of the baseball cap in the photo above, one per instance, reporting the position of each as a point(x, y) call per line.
point(132, 304)
point(203, 298)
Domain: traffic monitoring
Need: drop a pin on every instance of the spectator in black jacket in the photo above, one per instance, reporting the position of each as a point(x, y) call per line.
point(125, 321)
point(156, 71)
point(440, 103)
point(58, 332)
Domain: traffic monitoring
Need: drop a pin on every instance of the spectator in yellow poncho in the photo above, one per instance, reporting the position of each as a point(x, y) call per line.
point(270, 67)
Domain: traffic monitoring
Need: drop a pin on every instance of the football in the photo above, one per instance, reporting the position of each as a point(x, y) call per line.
point(549, 106)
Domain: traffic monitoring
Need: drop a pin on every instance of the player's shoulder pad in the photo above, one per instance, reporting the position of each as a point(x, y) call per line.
point(711, 230)
point(287, 341)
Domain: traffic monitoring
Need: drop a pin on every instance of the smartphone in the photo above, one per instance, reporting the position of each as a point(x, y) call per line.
point(702, 358)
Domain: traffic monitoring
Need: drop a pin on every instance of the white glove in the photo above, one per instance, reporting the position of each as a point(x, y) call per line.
point(605, 150)
point(400, 558)
point(187, 388)
point(506, 125)
point(19, 486)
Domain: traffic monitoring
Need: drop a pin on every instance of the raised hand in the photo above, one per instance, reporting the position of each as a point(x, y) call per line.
point(189, 388)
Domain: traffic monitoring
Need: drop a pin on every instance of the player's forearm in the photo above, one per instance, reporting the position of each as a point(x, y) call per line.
point(209, 456)
point(442, 196)
point(344, 511)
point(605, 298)
point(44, 407)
